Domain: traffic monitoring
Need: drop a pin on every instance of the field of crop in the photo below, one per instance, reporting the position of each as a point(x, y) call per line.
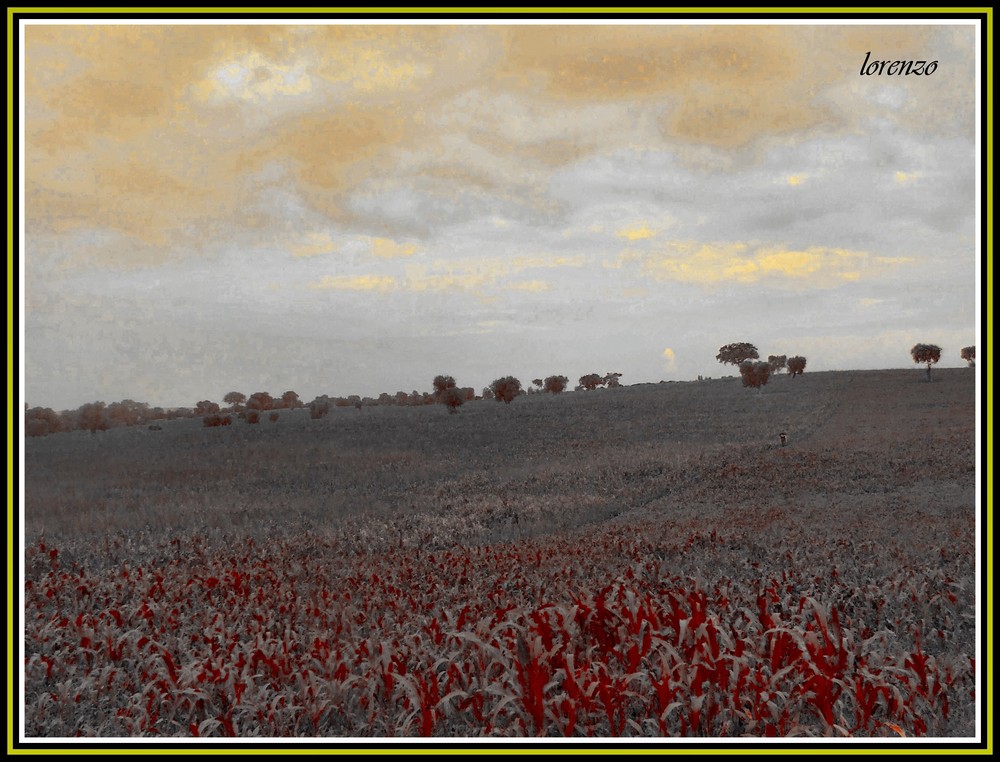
point(645, 561)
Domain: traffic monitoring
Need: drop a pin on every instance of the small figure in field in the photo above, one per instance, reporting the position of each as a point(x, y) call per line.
point(784, 438)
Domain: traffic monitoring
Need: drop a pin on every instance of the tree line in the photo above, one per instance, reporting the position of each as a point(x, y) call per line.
point(98, 416)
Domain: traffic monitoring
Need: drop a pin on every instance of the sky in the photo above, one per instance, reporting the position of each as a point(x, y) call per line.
point(356, 208)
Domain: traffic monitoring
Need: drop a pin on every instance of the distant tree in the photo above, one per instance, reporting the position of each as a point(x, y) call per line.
point(735, 354)
point(777, 362)
point(234, 400)
point(538, 382)
point(468, 393)
point(40, 421)
point(260, 401)
point(453, 398)
point(611, 380)
point(926, 353)
point(591, 381)
point(506, 389)
point(127, 413)
point(487, 393)
point(969, 355)
point(91, 417)
point(554, 384)
point(441, 385)
point(290, 400)
point(206, 407)
point(796, 365)
point(319, 407)
point(755, 374)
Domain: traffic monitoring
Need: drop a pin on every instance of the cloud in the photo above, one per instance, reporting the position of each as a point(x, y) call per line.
point(711, 264)
point(381, 283)
point(534, 286)
point(313, 244)
point(386, 248)
point(636, 232)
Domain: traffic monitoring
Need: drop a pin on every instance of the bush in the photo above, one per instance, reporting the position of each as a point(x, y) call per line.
point(252, 416)
point(215, 419)
point(273, 417)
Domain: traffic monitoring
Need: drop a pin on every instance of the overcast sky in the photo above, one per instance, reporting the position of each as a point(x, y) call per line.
point(354, 209)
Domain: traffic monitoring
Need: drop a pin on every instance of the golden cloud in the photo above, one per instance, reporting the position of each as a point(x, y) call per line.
point(710, 264)
point(161, 132)
point(533, 286)
point(382, 283)
point(386, 248)
point(636, 232)
point(313, 244)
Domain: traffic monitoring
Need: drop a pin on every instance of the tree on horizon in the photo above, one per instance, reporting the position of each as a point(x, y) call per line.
point(736, 353)
point(926, 353)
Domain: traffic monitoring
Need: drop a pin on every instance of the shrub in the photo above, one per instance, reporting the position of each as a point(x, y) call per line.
point(273, 417)
point(214, 419)
point(969, 355)
point(252, 416)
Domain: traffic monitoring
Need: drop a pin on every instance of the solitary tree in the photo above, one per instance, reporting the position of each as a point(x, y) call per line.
point(555, 384)
point(777, 362)
point(290, 400)
point(755, 374)
point(488, 393)
point(969, 355)
point(234, 400)
point(735, 354)
point(611, 380)
point(796, 365)
point(591, 381)
point(505, 389)
point(926, 353)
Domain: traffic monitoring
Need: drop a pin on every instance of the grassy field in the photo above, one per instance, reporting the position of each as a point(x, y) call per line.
point(638, 561)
